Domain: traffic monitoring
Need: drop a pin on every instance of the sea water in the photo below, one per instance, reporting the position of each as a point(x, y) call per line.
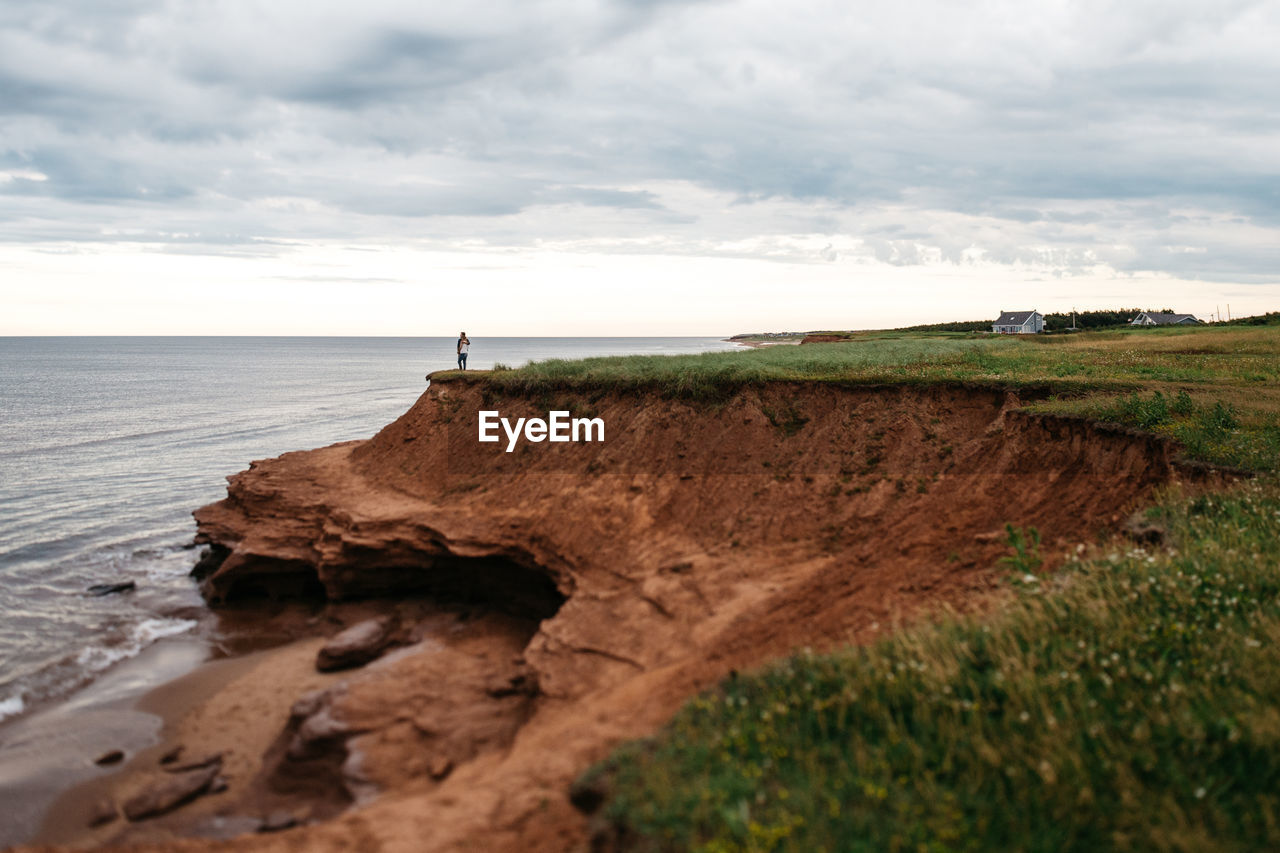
point(108, 444)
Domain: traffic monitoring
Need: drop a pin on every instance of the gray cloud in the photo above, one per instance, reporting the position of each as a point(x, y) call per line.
point(1095, 133)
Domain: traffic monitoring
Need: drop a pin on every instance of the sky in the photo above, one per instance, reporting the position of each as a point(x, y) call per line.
point(616, 167)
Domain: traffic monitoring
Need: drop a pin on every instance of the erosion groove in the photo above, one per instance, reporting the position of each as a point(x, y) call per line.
point(697, 539)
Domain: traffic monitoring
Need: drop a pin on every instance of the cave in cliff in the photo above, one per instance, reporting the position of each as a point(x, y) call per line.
point(494, 582)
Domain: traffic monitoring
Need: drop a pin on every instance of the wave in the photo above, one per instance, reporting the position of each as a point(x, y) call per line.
point(94, 659)
point(12, 707)
point(59, 679)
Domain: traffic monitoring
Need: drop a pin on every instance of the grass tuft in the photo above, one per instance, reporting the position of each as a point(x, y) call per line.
point(1217, 432)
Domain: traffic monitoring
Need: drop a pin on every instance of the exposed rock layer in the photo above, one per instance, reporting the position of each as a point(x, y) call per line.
point(834, 338)
point(696, 539)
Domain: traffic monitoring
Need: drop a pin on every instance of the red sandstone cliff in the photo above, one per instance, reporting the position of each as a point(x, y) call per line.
point(696, 539)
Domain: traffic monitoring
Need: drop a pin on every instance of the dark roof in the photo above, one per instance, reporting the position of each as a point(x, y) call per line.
point(1166, 319)
point(1013, 318)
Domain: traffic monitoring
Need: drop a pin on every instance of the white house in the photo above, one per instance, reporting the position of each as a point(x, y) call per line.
point(1155, 318)
point(1018, 323)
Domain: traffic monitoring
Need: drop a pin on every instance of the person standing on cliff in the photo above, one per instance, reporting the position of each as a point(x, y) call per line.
point(464, 344)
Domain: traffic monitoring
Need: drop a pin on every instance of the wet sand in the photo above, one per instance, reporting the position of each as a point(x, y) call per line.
point(227, 690)
point(49, 781)
point(52, 749)
point(236, 707)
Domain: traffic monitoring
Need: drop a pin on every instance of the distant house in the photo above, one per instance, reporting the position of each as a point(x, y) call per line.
point(1156, 318)
point(1018, 323)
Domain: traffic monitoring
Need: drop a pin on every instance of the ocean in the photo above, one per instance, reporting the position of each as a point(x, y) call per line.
point(108, 444)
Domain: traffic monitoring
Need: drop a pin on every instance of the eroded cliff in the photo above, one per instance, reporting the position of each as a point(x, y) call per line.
point(621, 577)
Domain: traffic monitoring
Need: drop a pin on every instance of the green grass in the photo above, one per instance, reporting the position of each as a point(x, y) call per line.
point(1216, 432)
point(1108, 360)
point(1091, 374)
point(713, 375)
point(1130, 702)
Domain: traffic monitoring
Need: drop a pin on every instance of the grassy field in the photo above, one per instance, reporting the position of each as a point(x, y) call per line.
point(1129, 701)
point(1120, 359)
point(1218, 387)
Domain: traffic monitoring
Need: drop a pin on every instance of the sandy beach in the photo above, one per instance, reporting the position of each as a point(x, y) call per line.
point(175, 707)
point(234, 707)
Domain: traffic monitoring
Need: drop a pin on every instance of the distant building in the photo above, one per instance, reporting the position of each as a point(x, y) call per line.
point(1018, 323)
point(1155, 318)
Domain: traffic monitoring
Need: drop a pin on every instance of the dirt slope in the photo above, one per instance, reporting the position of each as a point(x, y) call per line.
point(696, 539)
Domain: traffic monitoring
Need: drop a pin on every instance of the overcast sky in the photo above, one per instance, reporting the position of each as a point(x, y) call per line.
point(629, 167)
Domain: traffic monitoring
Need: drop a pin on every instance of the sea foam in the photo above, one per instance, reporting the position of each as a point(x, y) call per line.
point(12, 706)
point(93, 659)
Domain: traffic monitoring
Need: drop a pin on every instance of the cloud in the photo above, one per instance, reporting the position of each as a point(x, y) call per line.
point(914, 133)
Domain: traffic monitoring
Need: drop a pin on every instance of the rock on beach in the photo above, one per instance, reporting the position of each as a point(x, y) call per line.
point(171, 791)
point(355, 646)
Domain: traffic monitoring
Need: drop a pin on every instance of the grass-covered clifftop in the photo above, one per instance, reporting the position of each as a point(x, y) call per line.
point(1216, 389)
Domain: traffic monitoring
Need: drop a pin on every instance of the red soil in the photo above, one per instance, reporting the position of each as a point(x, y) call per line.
point(697, 539)
point(824, 339)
